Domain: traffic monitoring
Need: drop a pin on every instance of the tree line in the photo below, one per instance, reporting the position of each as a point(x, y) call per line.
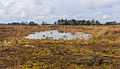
point(83, 22)
point(67, 22)
point(31, 23)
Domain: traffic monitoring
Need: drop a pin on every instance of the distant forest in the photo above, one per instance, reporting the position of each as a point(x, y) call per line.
point(67, 22)
point(31, 23)
point(83, 22)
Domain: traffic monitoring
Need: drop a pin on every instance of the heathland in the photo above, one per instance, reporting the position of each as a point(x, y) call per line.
point(101, 51)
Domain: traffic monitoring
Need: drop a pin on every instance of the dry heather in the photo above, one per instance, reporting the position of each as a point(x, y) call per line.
point(101, 51)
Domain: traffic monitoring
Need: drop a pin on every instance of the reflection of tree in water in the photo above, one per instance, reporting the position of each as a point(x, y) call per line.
point(64, 36)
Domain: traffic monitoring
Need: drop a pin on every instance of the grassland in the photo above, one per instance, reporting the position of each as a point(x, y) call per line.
point(101, 51)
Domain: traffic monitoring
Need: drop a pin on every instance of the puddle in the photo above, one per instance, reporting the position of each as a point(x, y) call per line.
point(56, 35)
point(29, 46)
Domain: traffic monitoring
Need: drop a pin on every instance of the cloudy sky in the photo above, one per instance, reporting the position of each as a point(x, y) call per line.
point(51, 10)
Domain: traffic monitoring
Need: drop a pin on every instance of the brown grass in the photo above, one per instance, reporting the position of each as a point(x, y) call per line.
point(101, 51)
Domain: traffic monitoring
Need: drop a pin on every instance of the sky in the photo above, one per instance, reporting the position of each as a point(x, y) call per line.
point(52, 10)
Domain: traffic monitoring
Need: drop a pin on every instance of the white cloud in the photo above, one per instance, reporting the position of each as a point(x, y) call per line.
point(39, 17)
point(51, 10)
point(108, 16)
point(23, 14)
point(1, 12)
point(105, 16)
point(98, 3)
point(5, 2)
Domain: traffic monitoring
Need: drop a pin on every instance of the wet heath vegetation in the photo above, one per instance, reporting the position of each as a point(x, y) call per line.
point(100, 51)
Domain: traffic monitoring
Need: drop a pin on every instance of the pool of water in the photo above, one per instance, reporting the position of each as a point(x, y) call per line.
point(56, 35)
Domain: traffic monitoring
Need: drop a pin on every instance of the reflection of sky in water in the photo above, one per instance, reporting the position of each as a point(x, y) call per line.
point(54, 34)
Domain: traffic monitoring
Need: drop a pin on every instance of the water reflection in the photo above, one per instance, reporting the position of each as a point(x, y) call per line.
point(56, 35)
